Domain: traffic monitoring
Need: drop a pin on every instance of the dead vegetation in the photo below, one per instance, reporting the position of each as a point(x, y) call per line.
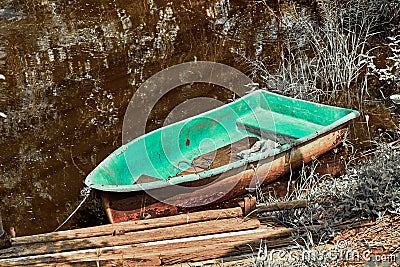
point(367, 192)
point(330, 56)
point(347, 55)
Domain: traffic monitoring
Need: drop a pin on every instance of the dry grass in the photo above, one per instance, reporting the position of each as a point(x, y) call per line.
point(327, 61)
point(368, 191)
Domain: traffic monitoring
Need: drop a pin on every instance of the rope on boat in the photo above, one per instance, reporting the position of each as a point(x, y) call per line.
point(85, 193)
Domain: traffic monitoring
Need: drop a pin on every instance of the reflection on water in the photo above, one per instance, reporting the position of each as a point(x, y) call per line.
point(70, 69)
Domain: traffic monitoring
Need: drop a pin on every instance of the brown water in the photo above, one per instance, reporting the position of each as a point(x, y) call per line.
point(71, 68)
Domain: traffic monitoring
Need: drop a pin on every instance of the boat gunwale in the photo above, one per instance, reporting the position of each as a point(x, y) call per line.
point(234, 165)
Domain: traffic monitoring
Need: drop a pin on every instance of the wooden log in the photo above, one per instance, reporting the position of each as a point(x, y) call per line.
point(284, 205)
point(174, 232)
point(166, 252)
point(130, 226)
point(251, 208)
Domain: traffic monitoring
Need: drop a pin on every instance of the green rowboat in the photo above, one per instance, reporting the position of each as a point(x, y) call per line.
point(182, 153)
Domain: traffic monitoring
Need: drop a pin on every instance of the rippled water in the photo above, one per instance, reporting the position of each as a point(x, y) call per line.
point(70, 69)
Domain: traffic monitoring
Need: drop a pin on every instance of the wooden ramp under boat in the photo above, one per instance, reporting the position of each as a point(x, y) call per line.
point(163, 241)
point(197, 237)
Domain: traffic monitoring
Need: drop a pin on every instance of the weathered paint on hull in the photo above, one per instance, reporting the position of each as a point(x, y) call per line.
point(139, 205)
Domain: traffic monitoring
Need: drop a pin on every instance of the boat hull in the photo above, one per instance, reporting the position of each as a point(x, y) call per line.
point(140, 205)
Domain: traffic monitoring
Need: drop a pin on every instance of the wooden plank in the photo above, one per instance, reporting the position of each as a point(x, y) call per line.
point(227, 248)
point(192, 249)
point(284, 205)
point(167, 252)
point(180, 231)
point(130, 226)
